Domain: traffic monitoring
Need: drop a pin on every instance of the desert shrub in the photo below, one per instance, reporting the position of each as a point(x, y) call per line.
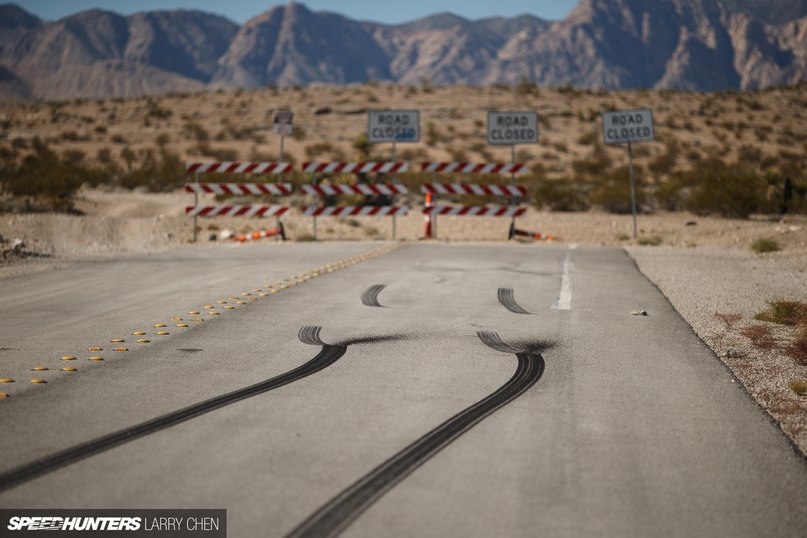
point(597, 164)
point(196, 131)
point(761, 246)
point(649, 240)
point(160, 172)
point(320, 148)
point(46, 181)
point(664, 163)
point(729, 191)
point(612, 192)
point(759, 335)
point(560, 195)
point(784, 313)
point(799, 386)
point(797, 350)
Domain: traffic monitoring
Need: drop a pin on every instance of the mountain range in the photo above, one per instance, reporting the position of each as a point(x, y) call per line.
point(610, 44)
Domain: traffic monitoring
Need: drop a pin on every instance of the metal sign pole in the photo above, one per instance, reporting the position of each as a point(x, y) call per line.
point(434, 213)
point(394, 179)
point(513, 182)
point(195, 205)
point(279, 180)
point(632, 187)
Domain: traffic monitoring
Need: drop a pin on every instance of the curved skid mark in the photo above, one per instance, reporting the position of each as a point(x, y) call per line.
point(14, 477)
point(342, 510)
point(508, 301)
point(310, 335)
point(494, 341)
point(370, 295)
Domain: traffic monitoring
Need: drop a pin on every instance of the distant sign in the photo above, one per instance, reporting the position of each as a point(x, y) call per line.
point(628, 126)
point(510, 128)
point(393, 126)
point(283, 122)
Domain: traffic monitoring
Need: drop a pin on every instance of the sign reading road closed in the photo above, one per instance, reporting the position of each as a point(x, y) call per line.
point(628, 126)
point(393, 126)
point(283, 122)
point(511, 128)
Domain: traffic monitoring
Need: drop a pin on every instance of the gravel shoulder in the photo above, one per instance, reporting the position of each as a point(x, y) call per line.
point(736, 284)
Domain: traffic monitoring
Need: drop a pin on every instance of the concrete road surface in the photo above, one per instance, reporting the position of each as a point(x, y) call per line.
point(434, 390)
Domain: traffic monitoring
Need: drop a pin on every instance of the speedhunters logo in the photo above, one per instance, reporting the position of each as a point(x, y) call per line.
point(152, 523)
point(55, 523)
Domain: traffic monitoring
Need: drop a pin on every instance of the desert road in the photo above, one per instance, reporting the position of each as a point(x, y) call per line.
point(374, 389)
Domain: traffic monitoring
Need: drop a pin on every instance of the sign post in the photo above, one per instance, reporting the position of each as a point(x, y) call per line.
point(629, 127)
point(283, 125)
point(510, 129)
point(393, 126)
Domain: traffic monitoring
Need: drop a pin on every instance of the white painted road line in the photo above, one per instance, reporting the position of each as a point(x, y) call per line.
point(564, 301)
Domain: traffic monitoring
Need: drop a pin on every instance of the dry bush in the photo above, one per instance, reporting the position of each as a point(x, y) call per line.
point(760, 336)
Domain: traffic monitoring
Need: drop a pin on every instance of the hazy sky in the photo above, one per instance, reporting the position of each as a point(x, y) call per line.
point(387, 11)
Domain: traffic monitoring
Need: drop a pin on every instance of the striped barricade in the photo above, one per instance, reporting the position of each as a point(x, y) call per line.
point(472, 189)
point(363, 189)
point(236, 167)
point(249, 210)
point(475, 211)
point(356, 211)
point(473, 168)
point(235, 189)
point(475, 189)
point(391, 167)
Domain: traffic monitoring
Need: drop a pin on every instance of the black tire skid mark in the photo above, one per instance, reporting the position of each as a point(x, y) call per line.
point(24, 473)
point(335, 516)
point(508, 301)
point(370, 295)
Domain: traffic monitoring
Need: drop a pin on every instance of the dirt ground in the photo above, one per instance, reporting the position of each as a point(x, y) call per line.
point(705, 266)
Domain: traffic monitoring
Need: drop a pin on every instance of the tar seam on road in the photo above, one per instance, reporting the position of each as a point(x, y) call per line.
point(509, 301)
point(327, 356)
point(335, 516)
point(370, 295)
point(564, 301)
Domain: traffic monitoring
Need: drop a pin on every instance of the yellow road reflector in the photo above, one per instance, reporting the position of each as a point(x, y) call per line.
point(240, 302)
point(159, 324)
point(252, 299)
point(162, 333)
point(144, 341)
point(3, 395)
point(68, 358)
point(193, 313)
point(121, 349)
point(69, 369)
point(96, 358)
point(221, 302)
point(138, 333)
point(38, 380)
point(94, 348)
point(284, 287)
point(214, 313)
point(245, 294)
point(6, 380)
point(117, 340)
point(182, 324)
point(274, 291)
point(39, 368)
point(228, 307)
point(207, 306)
point(257, 290)
point(176, 318)
point(198, 319)
point(263, 294)
point(233, 298)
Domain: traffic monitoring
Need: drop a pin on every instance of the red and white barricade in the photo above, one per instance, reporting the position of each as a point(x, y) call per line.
point(389, 190)
point(513, 192)
point(237, 189)
point(355, 211)
point(264, 211)
point(237, 168)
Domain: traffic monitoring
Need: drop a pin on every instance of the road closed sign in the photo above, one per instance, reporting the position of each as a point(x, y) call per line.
point(283, 122)
point(511, 128)
point(393, 126)
point(621, 127)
